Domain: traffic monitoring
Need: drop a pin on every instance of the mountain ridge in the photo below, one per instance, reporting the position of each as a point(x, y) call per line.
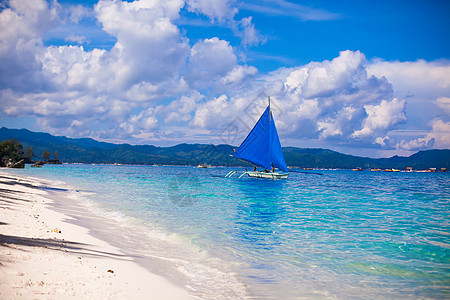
point(87, 150)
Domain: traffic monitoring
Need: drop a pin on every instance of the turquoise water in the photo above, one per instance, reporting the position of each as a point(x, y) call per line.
point(343, 234)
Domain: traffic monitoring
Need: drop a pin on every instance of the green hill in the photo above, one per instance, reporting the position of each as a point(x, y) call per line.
point(91, 151)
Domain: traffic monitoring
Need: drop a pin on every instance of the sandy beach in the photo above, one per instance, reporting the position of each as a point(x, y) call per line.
point(44, 256)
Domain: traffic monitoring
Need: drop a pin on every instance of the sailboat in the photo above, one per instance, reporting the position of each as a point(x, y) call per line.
point(262, 148)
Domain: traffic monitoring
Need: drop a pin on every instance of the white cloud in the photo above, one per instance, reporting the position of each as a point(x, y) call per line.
point(444, 104)
point(426, 86)
point(22, 24)
point(78, 12)
point(382, 141)
point(144, 121)
point(334, 126)
point(223, 12)
point(382, 117)
point(342, 74)
point(321, 100)
point(288, 9)
point(149, 45)
point(77, 39)
point(245, 29)
point(220, 11)
point(210, 59)
point(143, 65)
point(438, 138)
point(152, 84)
point(71, 67)
point(238, 73)
point(209, 114)
point(420, 78)
point(180, 110)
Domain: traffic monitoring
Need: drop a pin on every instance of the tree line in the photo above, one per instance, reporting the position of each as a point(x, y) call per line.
point(12, 154)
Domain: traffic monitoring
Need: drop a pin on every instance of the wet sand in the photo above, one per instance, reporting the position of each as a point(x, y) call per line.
point(45, 256)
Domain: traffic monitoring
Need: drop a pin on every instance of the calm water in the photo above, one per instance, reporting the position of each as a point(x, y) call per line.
point(343, 234)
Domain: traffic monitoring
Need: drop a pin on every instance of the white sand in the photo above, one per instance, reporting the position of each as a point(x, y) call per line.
point(38, 263)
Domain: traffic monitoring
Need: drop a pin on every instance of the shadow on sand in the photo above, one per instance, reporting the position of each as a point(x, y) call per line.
point(10, 241)
point(10, 198)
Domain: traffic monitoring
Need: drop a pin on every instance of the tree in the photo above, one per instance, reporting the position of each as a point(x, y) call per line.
point(56, 154)
point(11, 153)
point(45, 155)
point(29, 152)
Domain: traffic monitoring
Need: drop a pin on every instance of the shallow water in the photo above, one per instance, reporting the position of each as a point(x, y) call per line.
point(343, 234)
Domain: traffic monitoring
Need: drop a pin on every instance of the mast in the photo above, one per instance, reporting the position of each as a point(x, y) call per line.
point(270, 133)
point(262, 145)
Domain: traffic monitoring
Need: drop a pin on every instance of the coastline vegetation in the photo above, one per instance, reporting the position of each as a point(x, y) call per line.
point(12, 154)
point(91, 151)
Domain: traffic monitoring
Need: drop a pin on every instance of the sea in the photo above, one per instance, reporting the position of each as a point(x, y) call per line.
point(324, 234)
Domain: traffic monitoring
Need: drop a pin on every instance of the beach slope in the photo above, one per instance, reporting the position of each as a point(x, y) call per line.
point(44, 256)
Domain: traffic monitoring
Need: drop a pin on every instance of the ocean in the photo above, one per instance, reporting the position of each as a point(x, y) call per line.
point(338, 234)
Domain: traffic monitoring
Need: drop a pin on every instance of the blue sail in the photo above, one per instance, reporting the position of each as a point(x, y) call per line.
point(262, 145)
point(277, 157)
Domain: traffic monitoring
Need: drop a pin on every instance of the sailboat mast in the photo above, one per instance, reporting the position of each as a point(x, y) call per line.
point(270, 133)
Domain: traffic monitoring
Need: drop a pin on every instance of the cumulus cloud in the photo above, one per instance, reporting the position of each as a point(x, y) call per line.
point(151, 61)
point(144, 121)
point(23, 22)
point(149, 45)
point(209, 59)
point(71, 81)
point(426, 86)
point(382, 117)
point(419, 78)
point(181, 110)
point(334, 100)
point(156, 84)
point(438, 137)
point(238, 73)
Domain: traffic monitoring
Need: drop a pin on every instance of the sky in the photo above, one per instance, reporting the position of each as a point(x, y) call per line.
point(358, 77)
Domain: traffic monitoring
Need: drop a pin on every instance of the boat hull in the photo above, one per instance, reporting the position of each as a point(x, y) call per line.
point(268, 175)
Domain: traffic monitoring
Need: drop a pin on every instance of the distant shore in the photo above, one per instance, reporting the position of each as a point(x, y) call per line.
point(44, 256)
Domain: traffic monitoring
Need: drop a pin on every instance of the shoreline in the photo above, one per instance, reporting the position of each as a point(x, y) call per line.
point(44, 255)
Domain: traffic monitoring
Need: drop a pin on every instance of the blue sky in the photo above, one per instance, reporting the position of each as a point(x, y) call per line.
point(362, 78)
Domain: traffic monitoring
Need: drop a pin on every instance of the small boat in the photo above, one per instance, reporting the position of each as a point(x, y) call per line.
point(262, 148)
point(357, 169)
point(204, 166)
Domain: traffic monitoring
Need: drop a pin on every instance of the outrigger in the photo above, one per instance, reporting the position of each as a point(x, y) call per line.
point(262, 148)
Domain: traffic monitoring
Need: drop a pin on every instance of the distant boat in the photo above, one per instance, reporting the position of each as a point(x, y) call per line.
point(262, 148)
point(357, 169)
point(204, 166)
